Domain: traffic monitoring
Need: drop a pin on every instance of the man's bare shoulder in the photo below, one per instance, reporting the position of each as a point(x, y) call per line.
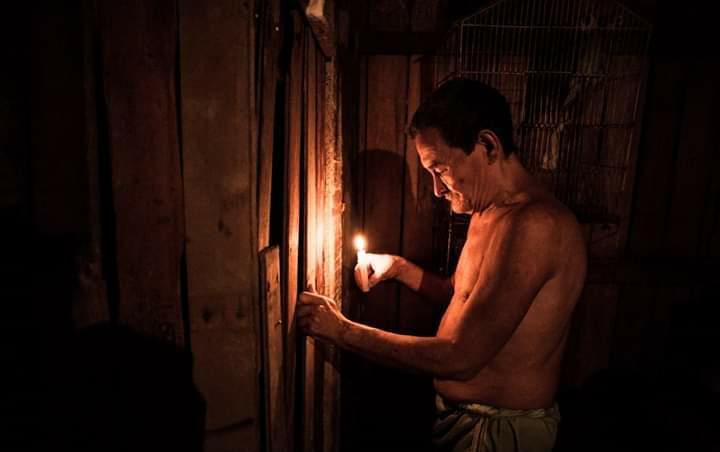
point(546, 227)
point(547, 216)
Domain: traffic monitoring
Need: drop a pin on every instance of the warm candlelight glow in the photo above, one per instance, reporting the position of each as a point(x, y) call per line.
point(359, 242)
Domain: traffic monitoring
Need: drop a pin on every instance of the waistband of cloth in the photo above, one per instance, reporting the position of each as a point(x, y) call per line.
point(447, 406)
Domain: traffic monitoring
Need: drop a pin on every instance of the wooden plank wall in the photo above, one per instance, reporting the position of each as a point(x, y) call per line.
point(167, 155)
point(219, 153)
point(312, 233)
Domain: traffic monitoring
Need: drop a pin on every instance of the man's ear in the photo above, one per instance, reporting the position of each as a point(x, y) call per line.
point(490, 141)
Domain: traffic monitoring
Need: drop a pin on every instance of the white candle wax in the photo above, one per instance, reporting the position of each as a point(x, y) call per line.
point(363, 268)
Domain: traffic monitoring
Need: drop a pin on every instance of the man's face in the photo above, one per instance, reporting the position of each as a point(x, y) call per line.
point(449, 169)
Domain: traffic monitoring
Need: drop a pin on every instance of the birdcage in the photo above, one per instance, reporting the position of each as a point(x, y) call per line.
point(573, 72)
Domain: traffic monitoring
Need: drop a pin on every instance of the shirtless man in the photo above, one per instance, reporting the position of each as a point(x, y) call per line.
point(497, 354)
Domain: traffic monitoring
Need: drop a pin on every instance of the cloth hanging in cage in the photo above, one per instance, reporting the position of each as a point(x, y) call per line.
point(475, 427)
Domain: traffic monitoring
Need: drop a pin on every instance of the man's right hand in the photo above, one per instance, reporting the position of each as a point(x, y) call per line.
point(381, 268)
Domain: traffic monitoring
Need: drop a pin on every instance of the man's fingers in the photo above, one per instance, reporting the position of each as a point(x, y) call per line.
point(373, 280)
point(310, 298)
point(358, 279)
point(305, 324)
point(304, 310)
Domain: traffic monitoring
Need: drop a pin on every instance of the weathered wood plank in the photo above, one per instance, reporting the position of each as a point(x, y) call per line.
point(139, 45)
point(332, 260)
point(313, 234)
point(276, 414)
point(220, 190)
point(291, 240)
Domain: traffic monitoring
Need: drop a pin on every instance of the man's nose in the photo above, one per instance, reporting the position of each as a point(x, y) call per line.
point(439, 188)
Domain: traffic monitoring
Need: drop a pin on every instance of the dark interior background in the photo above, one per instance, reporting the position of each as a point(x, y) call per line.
point(642, 369)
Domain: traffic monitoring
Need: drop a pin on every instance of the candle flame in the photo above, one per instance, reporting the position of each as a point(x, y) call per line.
point(359, 242)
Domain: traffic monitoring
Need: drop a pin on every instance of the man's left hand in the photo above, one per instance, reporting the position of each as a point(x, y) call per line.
point(320, 317)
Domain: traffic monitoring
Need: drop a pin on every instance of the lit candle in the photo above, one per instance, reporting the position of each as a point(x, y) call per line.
point(363, 263)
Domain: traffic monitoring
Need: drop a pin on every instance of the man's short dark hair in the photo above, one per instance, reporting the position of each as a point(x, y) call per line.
point(460, 108)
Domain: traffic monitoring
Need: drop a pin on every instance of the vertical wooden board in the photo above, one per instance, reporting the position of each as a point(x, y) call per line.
point(219, 168)
point(276, 414)
point(313, 191)
point(313, 233)
point(139, 44)
point(384, 160)
point(692, 172)
point(269, 48)
point(333, 206)
point(291, 243)
point(654, 165)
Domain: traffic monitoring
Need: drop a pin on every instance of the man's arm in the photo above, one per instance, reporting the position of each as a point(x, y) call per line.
point(434, 288)
point(520, 260)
